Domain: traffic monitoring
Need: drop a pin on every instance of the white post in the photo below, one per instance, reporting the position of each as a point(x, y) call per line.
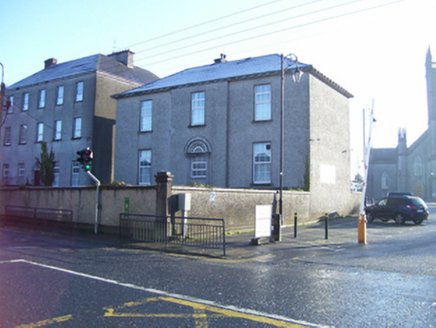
point(97, 191)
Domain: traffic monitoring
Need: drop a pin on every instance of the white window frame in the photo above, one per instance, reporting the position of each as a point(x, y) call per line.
point(262, 165)
point(384, 180)
point(11, 105)
point(23, 134)
point(77, 129)
point(146, 115)
point(6, 173)
point(41, 100)
point(39, 132)
point(262, 111)
point(199, 167)
point(58, 130)
point(21, 174)
point(144, 167)
point(79, 91)
point(8, 136)
point(198, 105)
point(25, 101)
point(60, 95)
point(75, 173)
point(56, 174)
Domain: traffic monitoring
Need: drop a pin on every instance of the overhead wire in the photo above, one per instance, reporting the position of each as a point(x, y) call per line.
point(256, 27)
point(204, 23)
point(273, 32)
point(281, 11)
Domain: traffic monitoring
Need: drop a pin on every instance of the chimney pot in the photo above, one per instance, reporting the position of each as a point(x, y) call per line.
point(49, 62)
point(222, 59)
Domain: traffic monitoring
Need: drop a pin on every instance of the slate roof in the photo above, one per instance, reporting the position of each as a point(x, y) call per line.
point(93, 63)
point(237, 69)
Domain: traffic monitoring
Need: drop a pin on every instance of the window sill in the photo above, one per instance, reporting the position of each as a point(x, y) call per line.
point(262, 121)
point(197, 126)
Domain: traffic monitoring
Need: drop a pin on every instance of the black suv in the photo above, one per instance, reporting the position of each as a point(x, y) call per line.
point(398, 208)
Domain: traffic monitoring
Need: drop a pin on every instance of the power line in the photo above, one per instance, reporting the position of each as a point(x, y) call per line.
point(203, 23)
point(275, 32)
point(254, 28)
point(281, 11)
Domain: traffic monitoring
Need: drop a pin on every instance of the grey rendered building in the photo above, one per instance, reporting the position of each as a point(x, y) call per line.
point(408, 169)
point(67, 105)
point(219, 125)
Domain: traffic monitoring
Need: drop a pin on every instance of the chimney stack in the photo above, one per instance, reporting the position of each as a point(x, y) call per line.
point(124, 56)
point(49, 62)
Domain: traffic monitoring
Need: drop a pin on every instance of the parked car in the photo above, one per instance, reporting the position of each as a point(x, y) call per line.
point(399, 208)
point(396, 193)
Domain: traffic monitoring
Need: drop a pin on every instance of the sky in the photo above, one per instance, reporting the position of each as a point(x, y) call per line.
point(375, 49)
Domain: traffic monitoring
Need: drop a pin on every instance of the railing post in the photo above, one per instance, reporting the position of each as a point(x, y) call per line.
point(295, 224)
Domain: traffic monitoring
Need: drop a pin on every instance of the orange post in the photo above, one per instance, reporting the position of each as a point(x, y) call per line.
point(361, 228)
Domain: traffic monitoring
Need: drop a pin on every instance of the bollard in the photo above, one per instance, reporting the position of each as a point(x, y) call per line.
point(326, 221)
point(295, 225)
point(361, 228)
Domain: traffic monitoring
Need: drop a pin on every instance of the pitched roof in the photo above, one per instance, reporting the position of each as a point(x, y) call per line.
point(252, 66)
point(93, 63)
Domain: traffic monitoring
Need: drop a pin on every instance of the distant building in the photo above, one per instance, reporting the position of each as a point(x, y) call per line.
point(67, 105)
point(408, 169)
point(219, 125)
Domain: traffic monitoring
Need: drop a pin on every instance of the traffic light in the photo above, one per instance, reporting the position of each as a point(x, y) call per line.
point(85, 158)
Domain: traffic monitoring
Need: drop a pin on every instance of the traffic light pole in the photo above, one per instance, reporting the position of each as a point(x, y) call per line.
point(97, 194)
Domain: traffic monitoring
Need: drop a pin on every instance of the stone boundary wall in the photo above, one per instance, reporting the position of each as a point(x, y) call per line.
point(236, 206)
point(82, 200)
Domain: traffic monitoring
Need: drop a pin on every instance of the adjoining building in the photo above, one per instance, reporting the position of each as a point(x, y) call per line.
point(408, 169)
point(219, 125)
point(68, 106)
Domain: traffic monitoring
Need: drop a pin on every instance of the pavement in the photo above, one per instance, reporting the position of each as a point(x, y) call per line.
point(342, 232)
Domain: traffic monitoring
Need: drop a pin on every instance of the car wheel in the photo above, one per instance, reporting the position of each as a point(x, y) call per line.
point(399, 218)
point(369, 217)
point(418, 221)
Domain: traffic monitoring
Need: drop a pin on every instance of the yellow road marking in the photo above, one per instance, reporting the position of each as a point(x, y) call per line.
point(199, 314)
point(46, 322)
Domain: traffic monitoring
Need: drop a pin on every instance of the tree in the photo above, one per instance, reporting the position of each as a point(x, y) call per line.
point(46, 164)
point(358, 178)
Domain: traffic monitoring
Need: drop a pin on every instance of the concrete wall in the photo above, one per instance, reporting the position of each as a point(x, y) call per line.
point(82, 201)
point(236, 206)
point(329, 149)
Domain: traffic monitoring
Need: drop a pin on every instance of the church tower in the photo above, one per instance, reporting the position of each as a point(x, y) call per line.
point(402, 160)
point(430, 69)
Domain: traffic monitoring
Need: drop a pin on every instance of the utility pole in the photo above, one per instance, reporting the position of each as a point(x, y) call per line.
point(361, 224)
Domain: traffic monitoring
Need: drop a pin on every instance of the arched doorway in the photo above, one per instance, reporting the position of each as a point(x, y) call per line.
point(198, 152)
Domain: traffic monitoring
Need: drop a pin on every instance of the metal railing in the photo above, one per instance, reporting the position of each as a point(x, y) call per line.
point(204, 233)
point(52, 214)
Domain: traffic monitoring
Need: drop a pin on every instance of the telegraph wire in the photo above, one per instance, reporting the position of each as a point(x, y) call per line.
point(274, 32)
point(228, 26)
point(251, 29)
point(203, 23)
